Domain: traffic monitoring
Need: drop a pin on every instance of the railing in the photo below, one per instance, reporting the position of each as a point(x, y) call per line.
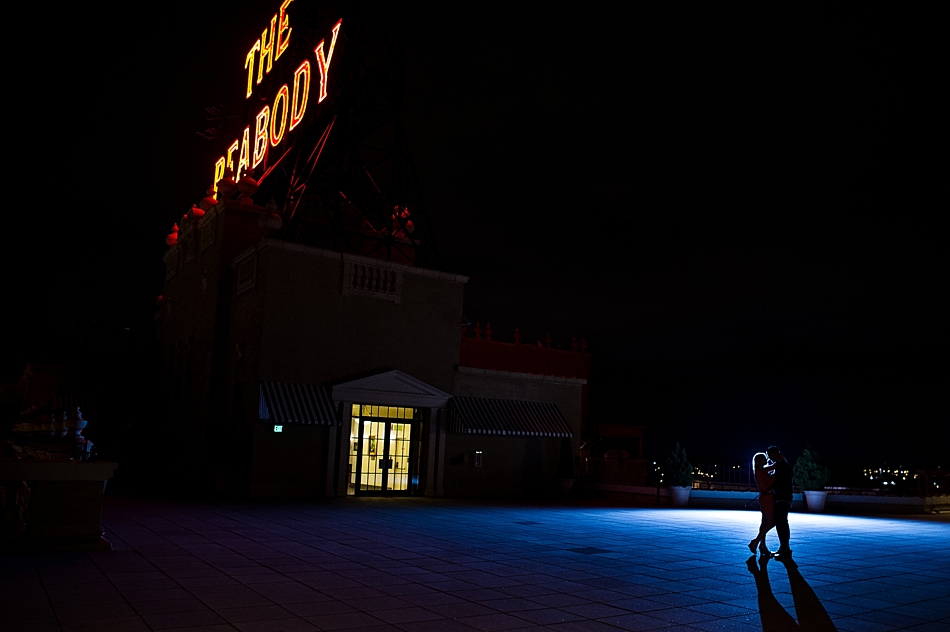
point(617, 471)
point(848, 478)
point(729, 475)
point(723, 474)
point(724, 487)
point(375, 279)
point(935, 483)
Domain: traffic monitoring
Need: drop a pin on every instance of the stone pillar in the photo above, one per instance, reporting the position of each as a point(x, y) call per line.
point(440, 458)
point(431, 448)
point(343, 443)
point(331, 461)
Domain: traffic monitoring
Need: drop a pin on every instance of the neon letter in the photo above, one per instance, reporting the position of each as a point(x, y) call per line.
point(267, 50)
point(244, 159)
point(218, 173)
point(233, 148)
point(280, 100)
point(283, 25)
point(323, 63)
point(301, 94)
point(260, 135)
point(249, 65)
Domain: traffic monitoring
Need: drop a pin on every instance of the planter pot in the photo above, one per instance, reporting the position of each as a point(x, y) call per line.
point(815, 500)
point(76, 426)
point(680, 495)
point(75, 423)
point(565, 484)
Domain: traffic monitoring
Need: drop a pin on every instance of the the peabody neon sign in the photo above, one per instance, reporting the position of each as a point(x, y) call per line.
point(271, 122)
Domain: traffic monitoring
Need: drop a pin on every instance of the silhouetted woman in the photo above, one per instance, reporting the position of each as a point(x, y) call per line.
point(764, 481)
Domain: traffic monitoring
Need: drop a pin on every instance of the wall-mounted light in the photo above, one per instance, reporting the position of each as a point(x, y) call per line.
point(478, 458)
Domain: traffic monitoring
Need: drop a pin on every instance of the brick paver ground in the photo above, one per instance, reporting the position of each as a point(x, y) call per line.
point(416, 565)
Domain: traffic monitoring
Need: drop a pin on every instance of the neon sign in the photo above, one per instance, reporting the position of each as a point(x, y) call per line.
point(286, 110)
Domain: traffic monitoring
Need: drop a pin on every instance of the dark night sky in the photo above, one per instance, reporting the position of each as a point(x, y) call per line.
point(737, 210)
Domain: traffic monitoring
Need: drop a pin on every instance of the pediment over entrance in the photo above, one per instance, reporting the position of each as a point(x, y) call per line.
point(392, 388)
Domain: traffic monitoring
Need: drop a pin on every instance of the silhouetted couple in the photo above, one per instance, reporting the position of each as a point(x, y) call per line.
point(773, 476)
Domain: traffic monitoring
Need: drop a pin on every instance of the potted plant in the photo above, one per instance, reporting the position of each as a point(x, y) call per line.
point(565, 467)
point(679, 475)
point(811, 476)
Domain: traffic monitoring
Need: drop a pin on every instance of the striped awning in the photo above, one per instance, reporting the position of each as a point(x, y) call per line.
point(477, 415)
point(285, 403)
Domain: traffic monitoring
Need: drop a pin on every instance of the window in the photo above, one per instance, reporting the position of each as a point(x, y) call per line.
point(187, 246)
point(206, 233)
point(171, 263)
point(247, 273)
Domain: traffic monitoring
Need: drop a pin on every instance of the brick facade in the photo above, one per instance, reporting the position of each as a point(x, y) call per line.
point(241, 307)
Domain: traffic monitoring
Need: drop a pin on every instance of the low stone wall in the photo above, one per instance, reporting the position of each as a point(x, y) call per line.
point(51, 507)
point(835, 502)
point(861, 503)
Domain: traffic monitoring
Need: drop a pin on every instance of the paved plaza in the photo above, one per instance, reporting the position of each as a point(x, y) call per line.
point(417, 565)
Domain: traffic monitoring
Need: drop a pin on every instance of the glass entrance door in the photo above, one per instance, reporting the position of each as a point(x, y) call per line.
point(384, 452)
point(398, 437)
point(373, 460)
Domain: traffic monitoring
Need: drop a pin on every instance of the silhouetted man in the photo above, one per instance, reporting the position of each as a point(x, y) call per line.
point(782, 490)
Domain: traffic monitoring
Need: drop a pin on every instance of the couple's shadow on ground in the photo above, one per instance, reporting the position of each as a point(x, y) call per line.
point(812, 616)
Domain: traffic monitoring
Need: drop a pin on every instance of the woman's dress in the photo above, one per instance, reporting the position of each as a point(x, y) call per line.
point(766, 500)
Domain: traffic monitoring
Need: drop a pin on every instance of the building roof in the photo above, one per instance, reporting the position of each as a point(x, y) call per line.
point(478, 415)
point(287, 403)
point(523, 358)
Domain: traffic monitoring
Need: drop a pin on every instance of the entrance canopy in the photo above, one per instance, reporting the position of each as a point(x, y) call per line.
point(392, 388)
point(286, 403)
point(477, 415)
